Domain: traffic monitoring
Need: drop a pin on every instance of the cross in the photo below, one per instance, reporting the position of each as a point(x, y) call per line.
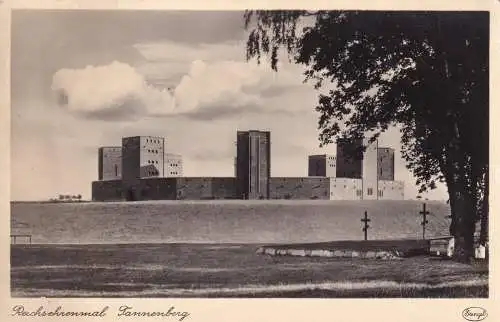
point(424, 214)
point(365, 228)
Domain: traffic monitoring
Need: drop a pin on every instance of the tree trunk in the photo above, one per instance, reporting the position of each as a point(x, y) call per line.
point(483, 237)
point(463, 209)
point(463, 213)
point(451, 192)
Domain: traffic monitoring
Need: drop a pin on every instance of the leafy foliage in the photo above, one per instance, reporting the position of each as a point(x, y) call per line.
point(425, 72)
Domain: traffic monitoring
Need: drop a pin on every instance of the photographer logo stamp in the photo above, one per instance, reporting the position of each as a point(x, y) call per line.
point(474, 314)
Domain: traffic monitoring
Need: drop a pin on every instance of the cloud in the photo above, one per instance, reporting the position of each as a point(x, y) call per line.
point(129, 108)
point(166, 62)
point(113, 91)
point(208, 90)
point(223, 82)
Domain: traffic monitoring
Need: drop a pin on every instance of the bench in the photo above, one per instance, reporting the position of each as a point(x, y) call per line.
point(15, 237)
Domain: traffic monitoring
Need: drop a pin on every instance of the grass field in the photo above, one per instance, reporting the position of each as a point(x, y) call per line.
point(207, 249)
point(227, 221)
point(207, 270)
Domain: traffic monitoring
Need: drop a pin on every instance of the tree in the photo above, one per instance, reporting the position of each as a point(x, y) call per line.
point(424, 72)
point(79, 197)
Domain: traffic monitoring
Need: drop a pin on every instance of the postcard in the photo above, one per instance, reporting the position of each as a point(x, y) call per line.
point(248, 161)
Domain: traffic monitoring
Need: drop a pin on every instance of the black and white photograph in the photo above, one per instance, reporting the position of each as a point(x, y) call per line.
point(250, 154)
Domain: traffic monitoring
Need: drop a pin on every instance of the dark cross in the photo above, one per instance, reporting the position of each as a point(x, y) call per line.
point(424, 214)
point(365, 228)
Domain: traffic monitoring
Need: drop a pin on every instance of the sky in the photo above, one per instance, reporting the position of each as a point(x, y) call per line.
point(84, 79)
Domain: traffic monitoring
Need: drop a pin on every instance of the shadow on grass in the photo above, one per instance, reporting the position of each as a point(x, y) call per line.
point(442, 292)
point(169, 270)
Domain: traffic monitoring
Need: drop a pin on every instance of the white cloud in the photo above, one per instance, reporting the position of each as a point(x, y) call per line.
point(164, 59)
point(168, 61)
point(119, 91)
point(217, 82)
point(113, 88)
point(92, 87)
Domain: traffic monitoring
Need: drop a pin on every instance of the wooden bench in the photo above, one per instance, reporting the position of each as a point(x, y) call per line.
point(14, 237)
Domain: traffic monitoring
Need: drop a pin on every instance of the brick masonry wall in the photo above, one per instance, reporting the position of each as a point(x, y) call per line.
point(157, 189)
point(194, 188)
point(207, 188)
point(110, 190)
point(299, 188)
point(224, 188)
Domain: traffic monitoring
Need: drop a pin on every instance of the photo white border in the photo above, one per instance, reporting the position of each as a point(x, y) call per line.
point(253, 310)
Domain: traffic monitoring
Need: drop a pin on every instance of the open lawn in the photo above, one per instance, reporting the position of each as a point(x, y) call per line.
point(208, 270)
point(260, 221)
point(207, 249)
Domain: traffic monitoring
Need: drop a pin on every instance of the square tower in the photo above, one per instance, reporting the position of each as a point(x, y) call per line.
point(109, 163)
point(385, 160)
point(322, 166)
point(142, 157)
point(173, 165)
point(349, 159)
point(253, 164)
